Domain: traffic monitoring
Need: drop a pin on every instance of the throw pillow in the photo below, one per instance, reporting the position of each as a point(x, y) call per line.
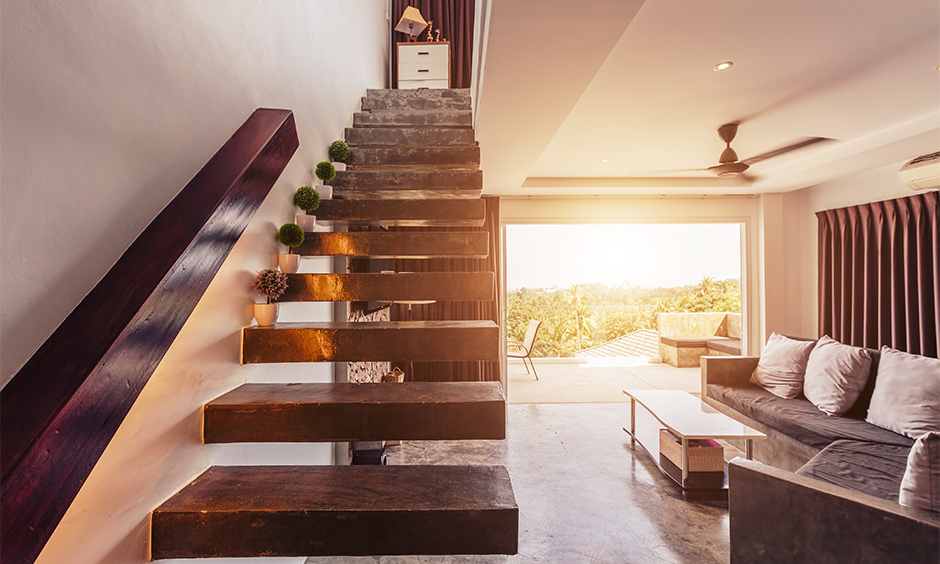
point(920, 486)
point(906, 398)
point(835, 375)
point(782, 365)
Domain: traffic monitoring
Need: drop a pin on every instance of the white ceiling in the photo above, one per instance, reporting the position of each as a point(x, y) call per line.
point(566, 85)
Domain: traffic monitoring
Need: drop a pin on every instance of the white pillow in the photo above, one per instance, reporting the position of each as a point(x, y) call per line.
point(836, 374)
point(782, 365)
point(920, 486)
point(906, 399)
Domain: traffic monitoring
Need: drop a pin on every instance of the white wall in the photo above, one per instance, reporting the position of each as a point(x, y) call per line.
point(108, 109)
point(706, 209)
point(799, 236)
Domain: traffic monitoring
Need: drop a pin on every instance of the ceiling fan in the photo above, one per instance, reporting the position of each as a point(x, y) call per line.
point(728, 163)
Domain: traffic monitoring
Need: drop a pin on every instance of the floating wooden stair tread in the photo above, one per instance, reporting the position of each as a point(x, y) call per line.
point(402, 213)
point(463, 156)
point(430, 99)
point(232, 511)
point(377, 341)
point(415, 183)
point(414, 118)
point(393, 136)
point(473, 244)
point(369, 287)
point(357, 412)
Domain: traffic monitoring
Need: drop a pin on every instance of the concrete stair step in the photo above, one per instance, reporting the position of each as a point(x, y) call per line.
point(418, 99)
point(254, 511)
point(414, 118)
point(371, 341)
point(273, 413)
point(413, 183)
point(405, 213)
point(458, 156)
point(373, 287)
point(408, 136)
point(396, 244)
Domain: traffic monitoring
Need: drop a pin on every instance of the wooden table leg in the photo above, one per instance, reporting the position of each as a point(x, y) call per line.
point(685, 459)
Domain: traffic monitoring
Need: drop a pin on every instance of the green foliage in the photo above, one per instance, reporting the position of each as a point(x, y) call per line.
point(325, 171)
point(290, 234)
point(338, 151)
point(584, 315)
point(307, 198)
point(270, 283)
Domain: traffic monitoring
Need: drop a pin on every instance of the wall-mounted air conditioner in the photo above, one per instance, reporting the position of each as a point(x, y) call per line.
point(922, 173)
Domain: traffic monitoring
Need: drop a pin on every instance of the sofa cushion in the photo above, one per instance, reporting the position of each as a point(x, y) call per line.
point(907, 394)
point(836, 374)
point(872, 468)
point(920, 486)
point(782, 365)
point(798, 418)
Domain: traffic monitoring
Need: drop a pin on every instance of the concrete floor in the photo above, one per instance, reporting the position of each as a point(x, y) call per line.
point(586, 494)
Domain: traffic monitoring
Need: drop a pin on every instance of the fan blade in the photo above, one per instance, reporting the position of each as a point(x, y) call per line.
point(782, 150)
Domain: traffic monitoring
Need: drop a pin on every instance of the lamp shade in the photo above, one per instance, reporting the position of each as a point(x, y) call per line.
point(411, 22)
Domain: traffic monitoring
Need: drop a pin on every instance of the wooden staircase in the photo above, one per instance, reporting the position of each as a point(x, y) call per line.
point(414, 162)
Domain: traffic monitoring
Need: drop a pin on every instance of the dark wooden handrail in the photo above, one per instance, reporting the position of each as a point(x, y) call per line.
point(61, 410)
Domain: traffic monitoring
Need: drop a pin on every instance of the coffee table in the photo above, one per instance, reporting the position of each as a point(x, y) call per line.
point(688, 418)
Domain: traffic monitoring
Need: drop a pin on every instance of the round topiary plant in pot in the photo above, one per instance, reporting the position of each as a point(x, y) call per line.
point(339, 152)
point(325, 172)
point(307, 199)
point(271, 284)
point(291, 235)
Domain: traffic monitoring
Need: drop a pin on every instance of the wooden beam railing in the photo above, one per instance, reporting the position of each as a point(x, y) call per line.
point(61, 410)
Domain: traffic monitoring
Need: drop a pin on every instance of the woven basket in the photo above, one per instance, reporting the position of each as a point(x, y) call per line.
point(705, 455)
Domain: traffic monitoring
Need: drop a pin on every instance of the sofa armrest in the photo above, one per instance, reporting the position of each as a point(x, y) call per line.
point(727, 370)
point(778, 516)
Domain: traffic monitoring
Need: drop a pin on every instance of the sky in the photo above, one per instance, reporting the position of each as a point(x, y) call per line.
point(543, 256)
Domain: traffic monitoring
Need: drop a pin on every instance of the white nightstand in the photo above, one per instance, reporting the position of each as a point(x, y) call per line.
point(424, 65)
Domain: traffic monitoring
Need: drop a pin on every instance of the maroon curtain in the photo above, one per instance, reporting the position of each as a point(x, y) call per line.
point(879, 274)
point(456, 371)
point(455, 20)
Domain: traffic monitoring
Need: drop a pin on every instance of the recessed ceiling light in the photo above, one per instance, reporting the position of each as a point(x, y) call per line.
point(603, 160)
point(723, 66)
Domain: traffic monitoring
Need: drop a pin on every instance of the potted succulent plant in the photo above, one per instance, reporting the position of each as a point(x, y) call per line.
point(325, 172)
point(271, 284)
point(292, 235)
point(339, 151)
point(307, 199)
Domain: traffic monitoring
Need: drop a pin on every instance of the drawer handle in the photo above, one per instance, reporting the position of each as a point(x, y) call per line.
point(424, 70)
point(424, 52)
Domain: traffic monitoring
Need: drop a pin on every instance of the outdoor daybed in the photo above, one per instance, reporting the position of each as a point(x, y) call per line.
point(826, 487)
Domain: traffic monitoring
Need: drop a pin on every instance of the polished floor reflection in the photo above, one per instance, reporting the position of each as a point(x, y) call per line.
point(584, 493)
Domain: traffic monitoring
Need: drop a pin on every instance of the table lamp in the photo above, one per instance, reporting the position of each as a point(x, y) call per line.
point(411, 23)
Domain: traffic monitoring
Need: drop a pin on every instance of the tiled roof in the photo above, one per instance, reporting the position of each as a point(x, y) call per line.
point(642, 342)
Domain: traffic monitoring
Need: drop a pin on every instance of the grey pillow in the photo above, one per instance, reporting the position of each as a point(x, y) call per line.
point(906, 399)
point(920, 486)
point(782, 365)
point(835, 375)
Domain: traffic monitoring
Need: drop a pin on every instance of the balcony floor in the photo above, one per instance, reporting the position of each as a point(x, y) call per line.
point(571, 380)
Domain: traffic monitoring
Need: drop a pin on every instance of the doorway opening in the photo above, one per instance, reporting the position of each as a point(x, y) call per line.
point(606, 294)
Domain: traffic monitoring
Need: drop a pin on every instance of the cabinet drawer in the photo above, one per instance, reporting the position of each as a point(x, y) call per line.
point(425, 70)
point(422, 53)
point(412, 84)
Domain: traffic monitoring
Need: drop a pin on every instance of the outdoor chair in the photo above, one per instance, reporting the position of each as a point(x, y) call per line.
point(524, 349)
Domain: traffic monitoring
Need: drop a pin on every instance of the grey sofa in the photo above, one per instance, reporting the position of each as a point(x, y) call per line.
point(821, 489)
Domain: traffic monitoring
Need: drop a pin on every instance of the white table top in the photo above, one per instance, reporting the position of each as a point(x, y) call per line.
point(689, 417)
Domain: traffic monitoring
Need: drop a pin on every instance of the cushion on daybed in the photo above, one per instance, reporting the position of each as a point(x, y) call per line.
point(782, 365)
point(906, 398)
point(836, 374)
point(798, 418)
point(872, 468)
point(920, 486)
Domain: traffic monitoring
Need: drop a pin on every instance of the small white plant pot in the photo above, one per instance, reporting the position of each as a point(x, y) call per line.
point(326, 192)
point(266, 314)
point(288, 263)
point(306, 222)
point(340, 167)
